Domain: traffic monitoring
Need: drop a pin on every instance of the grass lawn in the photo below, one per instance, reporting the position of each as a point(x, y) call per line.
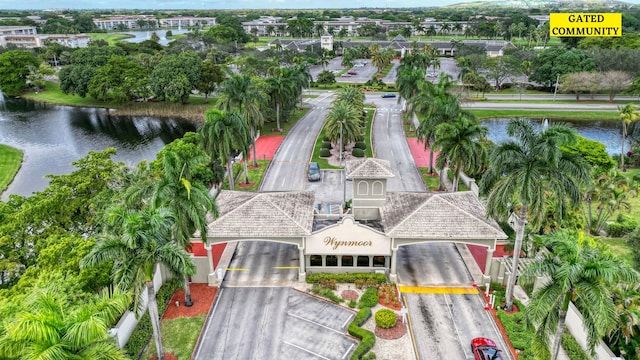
point(54, 95)
point(179, 336)
point(255, 176)
point(542, 114)
point(431, 181)
point(110, 38)
point(270, 127)
point(620, 248)
point(10, 161)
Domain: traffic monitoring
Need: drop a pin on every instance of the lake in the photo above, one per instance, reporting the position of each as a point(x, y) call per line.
point(53, 136)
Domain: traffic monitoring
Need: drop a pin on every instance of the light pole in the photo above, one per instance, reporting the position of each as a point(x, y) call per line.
point(341, 121)
point(344, 181)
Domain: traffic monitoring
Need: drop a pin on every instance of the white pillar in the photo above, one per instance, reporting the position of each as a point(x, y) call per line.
point(209, 256)
point(302, 270)
point(487, 266)
point(393, 276)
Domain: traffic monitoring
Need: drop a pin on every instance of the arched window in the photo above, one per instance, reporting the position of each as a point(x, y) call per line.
point(377, 188)
point(363, 188)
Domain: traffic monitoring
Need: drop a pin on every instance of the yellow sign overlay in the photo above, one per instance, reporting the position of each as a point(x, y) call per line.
point(585, 24)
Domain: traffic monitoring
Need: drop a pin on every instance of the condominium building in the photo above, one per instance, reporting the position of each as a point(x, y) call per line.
point(125, 21)
point(18, 30)
point(187, 21)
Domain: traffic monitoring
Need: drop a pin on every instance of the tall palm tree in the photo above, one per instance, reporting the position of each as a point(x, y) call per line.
point(280, 90)
point(628, 114)
point(434, 104)
point(342, 124)
point(528, 171)
point(136, 242)
point(581, 272)
point(460, 143)
point(301, 78)
point(49, 328)
point(407, 81)
point(223, 135)
point(189, 201)
point(241, 94)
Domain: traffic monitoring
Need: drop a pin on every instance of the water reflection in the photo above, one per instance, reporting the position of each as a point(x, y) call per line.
point(54, 136)
point(609, 133)
point(140, 36)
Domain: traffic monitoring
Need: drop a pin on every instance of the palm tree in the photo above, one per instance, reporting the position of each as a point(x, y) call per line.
point(189, 201)
point(407, 81)
point(49, 328)
point(527, 172)
point(300, 77)
point(628, 115)
point(342, 124)
point(136, 242)
point(223, 135)
point(460, 143)
point(581, 272)
point(239, 93)
point(434, 104)
point(280, 89)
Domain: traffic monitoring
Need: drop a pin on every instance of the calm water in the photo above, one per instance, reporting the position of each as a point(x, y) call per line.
point(607, 132)
point(54, 136)
point(140, 36)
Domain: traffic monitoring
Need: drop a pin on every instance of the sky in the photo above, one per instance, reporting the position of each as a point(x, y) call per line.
point(223, 4)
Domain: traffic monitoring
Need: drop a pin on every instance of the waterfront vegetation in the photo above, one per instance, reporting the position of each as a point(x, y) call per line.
point(10, 160)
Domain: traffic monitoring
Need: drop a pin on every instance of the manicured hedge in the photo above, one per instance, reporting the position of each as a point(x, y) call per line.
point(357, 152)
point(361, 145)
point(326, 145)
point(368, 339)
point(325, 153)
point(572, 348)
point(369, 298)
point(347, 278)
point(326, 293)
point(623, 226)
point(142, 333)
point(385, 318)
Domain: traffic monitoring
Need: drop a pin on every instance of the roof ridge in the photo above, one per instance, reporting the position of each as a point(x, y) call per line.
point(267, 198)
point(465, 211)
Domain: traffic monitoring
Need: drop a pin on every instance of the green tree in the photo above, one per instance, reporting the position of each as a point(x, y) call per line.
point(628, 114)
point(342, 124)
point(14, 70)
point(175, 76)
point(526, 173)
point(281, 89)
point(551, 63)
point(433, 104)
point(460, 143)
point(223, 135)
point(136, 242)
point(326, 78)
point(119, 80)
point(49, 328)
point(242, 94)
point(581, 272)
point(211, 76)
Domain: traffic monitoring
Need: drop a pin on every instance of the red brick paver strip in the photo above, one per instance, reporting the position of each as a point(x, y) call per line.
point(266, 147)
point(420, 155)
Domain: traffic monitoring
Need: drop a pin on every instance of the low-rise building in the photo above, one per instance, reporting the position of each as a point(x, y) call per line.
point(68, 40)
point(125, 21)
point(21, 41)
point(18, 30)
point(187, 21)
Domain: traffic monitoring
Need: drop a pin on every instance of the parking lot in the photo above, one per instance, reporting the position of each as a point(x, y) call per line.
point(289, 325)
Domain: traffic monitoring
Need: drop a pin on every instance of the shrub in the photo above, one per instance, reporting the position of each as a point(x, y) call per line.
point(369, 356)
point(143, 331)
point(348, 278)
point(352, 303)
point(361, 145)
point(385, 318)
point(623, 226)
point(572, 348)
point(368, 339)
point(369, 298)
point(326, 138)
point(325, 153)
point(326, 145)
point(326, 293)
point(359, 138)
point(328, 283)
point(357, 152)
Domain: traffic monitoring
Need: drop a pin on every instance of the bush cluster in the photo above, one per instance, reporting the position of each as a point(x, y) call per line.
point(368, 339)
point(328, 283)
point(357, 152)
point(385, 318)
point(520, 336)
point(348, 278)
point(361, 145)
point(326, 145)
point(325, 153)
point(572, 348)
point(326, 293)
point(369, 298)
point(623, 226)
point(143, 331)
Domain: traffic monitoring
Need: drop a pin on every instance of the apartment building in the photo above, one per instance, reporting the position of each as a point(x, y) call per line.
point(124, 21)
point(187, 21)
point(18, 30)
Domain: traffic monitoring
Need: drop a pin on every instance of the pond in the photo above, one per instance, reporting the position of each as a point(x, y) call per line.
point(52, 137)
point(607, 132)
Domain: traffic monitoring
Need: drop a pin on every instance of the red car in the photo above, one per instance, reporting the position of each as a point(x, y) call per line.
point(352, 72)
point(485, 349)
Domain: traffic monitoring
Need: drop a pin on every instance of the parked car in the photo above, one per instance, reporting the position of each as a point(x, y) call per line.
point(352, 72)
point(485, 349)
point(432, 75)
point(388, 95)
point(345, 75)
point(313, 174)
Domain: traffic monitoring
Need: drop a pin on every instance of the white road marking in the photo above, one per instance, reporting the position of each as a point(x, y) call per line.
point(305, 350)
point(313, 322)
